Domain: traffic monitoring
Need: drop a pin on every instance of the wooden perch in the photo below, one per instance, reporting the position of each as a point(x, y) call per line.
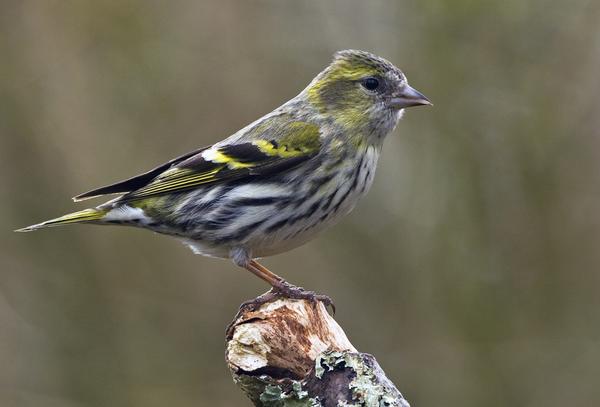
point(290, 352)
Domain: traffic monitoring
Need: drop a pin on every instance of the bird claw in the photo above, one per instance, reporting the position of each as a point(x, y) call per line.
point(288, 290)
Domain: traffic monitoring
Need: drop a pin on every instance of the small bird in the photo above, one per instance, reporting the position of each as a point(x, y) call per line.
point(276, 183)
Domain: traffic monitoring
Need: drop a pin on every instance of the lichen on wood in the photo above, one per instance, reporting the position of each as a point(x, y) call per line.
point(285, 352)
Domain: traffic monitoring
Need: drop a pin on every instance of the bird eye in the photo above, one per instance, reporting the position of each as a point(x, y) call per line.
point(370, 83)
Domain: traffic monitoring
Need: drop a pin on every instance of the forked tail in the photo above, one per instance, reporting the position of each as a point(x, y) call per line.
point(86, 215)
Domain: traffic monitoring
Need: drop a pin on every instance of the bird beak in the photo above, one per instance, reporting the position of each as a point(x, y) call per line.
point(409, 97)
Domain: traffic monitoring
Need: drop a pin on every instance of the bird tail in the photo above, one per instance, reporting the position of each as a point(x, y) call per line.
point(91, 215)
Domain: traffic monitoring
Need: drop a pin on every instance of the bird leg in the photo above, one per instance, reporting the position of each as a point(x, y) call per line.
point(281, 288)
point(264, 273)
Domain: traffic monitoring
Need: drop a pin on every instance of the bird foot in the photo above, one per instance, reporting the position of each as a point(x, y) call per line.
point(288, 290)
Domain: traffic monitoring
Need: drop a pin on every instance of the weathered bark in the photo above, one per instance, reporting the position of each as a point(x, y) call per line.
point(291, 352)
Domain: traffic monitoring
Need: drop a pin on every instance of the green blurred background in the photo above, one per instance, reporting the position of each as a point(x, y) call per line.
point(471, 271)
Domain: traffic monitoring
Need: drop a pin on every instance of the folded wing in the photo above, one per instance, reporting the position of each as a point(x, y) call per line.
point(216, 164)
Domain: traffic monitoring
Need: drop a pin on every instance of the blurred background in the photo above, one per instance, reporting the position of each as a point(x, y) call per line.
point(471, 270)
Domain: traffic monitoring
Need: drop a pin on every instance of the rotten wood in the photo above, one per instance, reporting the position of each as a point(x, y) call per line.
point(291, 352)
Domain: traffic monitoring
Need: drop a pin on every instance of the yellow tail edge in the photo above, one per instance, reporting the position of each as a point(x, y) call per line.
point(86, 215)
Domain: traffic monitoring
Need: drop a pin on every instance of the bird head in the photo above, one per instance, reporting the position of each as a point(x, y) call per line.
point(359, 88)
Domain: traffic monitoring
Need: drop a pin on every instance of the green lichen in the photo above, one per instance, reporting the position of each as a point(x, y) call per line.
point(366, 388)
point(274, 396)
point(327, 362)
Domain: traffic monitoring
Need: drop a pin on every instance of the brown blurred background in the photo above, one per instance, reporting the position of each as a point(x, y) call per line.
point(471, 271)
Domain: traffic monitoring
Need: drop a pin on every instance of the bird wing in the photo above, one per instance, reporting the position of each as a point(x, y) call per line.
point(294, 143)
point(136, 182)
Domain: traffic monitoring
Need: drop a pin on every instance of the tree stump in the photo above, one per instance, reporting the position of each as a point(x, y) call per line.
point(290, 352)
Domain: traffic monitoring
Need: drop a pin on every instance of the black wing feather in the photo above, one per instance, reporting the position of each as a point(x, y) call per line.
point(137, 182)
point(216, 172)
point(232, 162)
